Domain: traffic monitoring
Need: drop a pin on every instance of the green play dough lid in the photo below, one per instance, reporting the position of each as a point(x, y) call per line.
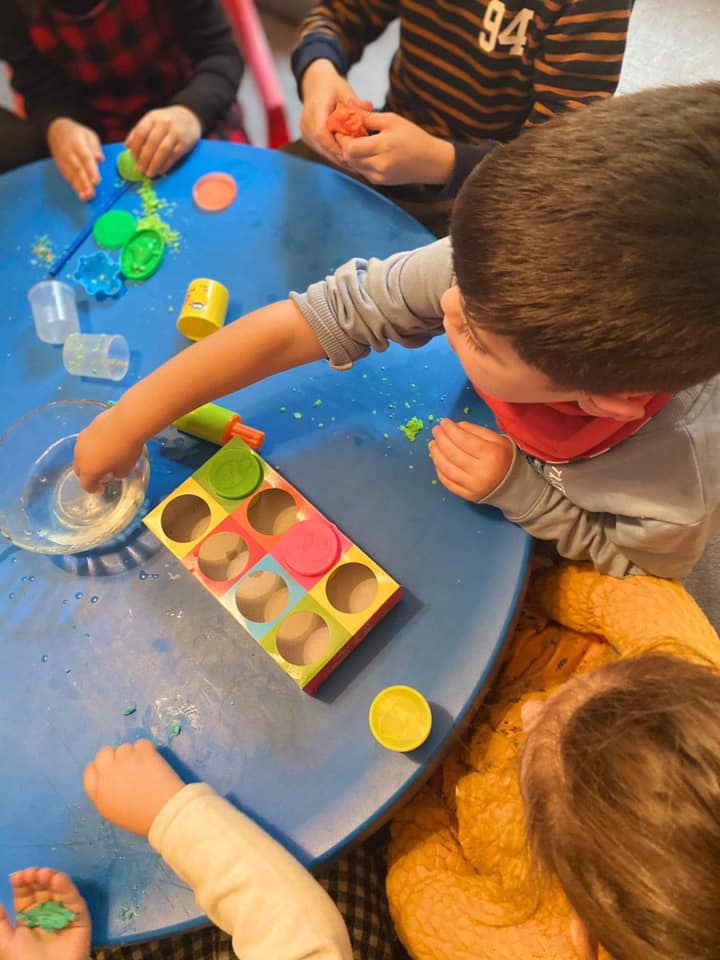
point(127, 168)
point(142, 255)
point(113, 229)
point(234, 473)
point(50, 915)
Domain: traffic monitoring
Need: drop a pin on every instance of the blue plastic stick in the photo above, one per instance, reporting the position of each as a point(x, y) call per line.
point(86, 231)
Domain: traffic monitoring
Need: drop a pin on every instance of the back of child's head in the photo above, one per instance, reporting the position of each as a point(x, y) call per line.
point(593, 243)
point(621, 786)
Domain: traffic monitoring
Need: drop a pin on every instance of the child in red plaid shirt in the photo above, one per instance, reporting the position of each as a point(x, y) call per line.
point(154, 73)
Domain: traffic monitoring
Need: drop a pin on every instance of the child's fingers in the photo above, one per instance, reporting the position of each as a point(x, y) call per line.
point(85, 173)
point(24, 882)
point(379, 121)
point(464, 443)
point(452, 451)
point(358, 104)
point(449, 469)
point(65, 891)
point(138, 135)
point(153, 140)
point(164, 150)
point(6, 929)
point(357, 149)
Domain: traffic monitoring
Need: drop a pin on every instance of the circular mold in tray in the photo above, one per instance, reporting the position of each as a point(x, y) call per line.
point(43, 508)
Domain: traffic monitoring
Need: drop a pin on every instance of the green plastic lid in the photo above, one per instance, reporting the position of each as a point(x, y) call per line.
point(234, 472)
point(113, 229)
point(142, 255)
point(127, 168)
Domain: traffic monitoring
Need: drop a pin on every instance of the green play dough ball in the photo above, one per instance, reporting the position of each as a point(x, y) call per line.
point(113, 229)
point(127, 168)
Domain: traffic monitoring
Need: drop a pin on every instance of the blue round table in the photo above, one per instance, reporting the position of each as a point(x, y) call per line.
point(86, 638)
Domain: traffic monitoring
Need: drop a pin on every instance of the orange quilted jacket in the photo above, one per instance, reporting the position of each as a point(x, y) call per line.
point(459, 882)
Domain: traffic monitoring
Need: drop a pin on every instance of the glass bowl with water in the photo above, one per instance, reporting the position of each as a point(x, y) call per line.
point(43, 508)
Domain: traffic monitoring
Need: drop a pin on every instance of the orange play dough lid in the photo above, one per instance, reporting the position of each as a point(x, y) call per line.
point(214, 191)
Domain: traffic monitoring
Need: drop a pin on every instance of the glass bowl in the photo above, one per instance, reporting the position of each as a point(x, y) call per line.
point(43, 508)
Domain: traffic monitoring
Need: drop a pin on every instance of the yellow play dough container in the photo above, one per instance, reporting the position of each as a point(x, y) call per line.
point(204, 308)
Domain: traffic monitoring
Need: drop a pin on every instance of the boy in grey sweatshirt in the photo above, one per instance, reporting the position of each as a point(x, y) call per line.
point(579, 289)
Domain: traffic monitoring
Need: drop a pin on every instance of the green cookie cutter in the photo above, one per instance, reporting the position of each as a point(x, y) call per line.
point(142, 255)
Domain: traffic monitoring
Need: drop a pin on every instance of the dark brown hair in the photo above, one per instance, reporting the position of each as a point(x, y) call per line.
point(593, 243)
point(621, 786)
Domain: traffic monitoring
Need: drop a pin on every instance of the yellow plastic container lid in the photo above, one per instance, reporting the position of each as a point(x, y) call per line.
point(400, 718)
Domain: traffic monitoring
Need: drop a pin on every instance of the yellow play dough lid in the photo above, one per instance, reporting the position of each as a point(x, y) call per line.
point(400, 718)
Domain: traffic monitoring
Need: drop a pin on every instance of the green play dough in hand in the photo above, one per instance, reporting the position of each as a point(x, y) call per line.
point(127, 168)
point(50, 915)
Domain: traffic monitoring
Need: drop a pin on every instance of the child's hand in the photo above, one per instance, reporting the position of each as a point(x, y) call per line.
point(470, 460)
point(400, 152)
point(161, 137)
point(76, 150)
point(130, 785)
point(323, 89)
point(31, 887)
point(105, 449)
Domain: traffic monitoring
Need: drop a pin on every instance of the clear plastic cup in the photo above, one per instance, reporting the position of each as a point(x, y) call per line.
point(54, 310)
point(105, 356)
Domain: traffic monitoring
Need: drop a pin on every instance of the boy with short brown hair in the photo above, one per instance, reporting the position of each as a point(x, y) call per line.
point(584, 308)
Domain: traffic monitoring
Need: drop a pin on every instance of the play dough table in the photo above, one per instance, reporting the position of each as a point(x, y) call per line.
point(121, 643)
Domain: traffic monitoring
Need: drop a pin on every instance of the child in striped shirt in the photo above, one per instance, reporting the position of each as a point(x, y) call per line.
point(465, 77)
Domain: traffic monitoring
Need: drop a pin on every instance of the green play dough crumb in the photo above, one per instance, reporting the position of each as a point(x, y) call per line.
point(130, 711)
point(431, 418)
point(466, 410)
point(50, 915)
point(298, 416)
point(155, 222)
point(412, 428)
point(125, 913)
point(151, 219)
point(317, 403)
point(176, 729)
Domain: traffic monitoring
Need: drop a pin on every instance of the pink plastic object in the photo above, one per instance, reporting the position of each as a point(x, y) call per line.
point(311, 547)
point(251, 37)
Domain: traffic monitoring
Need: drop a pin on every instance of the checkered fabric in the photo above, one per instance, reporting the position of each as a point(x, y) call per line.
point(356, 884)
point(124, 54)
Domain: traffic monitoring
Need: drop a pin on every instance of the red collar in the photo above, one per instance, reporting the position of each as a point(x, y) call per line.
point(560, 432)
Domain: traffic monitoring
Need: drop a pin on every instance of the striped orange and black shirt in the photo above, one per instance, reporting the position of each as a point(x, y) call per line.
point(474, 71)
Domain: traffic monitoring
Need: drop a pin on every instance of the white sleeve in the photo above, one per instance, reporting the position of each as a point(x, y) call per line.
point(245, 882)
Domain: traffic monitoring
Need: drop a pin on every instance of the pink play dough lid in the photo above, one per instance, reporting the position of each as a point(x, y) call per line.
point(214, 191)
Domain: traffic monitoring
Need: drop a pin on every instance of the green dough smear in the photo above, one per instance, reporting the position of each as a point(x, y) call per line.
point(50, 915)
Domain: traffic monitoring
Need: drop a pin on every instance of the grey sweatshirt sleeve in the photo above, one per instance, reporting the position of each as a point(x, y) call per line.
point(649, 505)
point(616, 545)
point(366, 304)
